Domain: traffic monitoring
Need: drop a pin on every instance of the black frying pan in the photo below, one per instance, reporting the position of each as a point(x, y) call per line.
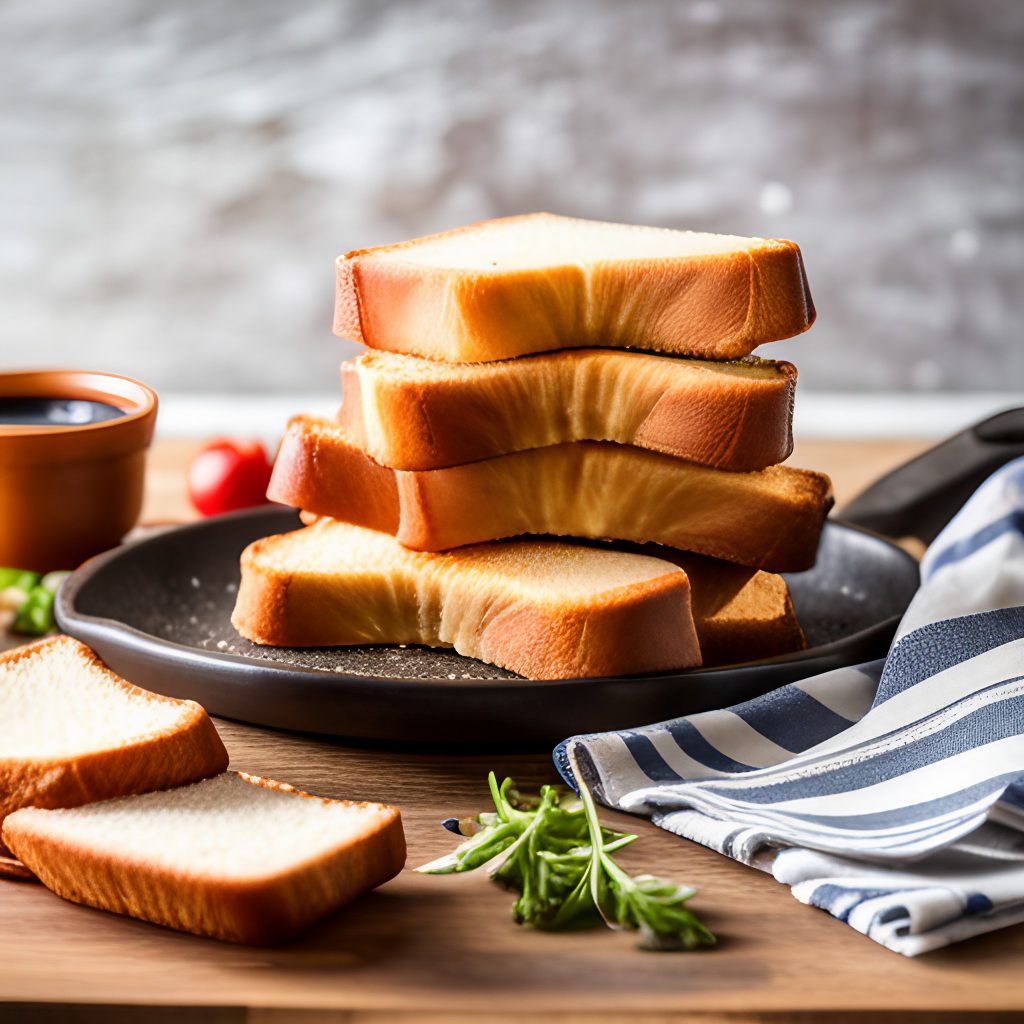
point(158, 612)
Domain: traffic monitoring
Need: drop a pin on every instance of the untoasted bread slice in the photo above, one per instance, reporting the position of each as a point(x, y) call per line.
point(233, 857)
point(767, 520)
point(542, 609)
point(505, 288)
point(71, 731)
point(411, 413)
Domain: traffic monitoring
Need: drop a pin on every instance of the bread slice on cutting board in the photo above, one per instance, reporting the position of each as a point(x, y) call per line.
point(411, 413)
point(234, 857)
point(71, 731)
point(505, 288)
point(767, 520)
point(542, 609)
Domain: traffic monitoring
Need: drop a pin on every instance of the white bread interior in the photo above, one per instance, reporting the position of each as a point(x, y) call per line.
point(72, 731)
point(545, 240)
point(55, 703)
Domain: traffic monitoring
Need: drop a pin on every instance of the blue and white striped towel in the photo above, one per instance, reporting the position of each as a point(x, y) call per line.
point(893, 792)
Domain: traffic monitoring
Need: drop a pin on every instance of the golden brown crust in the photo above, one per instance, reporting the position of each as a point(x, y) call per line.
point(347, 321)
point(767, 520)
point(641, 634)
point(12, 870)
point(740, 614)
point(644, 627)
point(695, 411)
point(262, 607)
point(718, 306)
point(191, 752)
point(261, 911)
point(308, 462)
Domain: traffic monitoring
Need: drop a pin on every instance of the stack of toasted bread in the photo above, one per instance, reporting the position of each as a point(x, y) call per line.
point(540, 375)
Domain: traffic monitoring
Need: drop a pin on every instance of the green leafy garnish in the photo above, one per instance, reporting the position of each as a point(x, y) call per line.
point(26, 600)
point(22, 579)
point(557, 856)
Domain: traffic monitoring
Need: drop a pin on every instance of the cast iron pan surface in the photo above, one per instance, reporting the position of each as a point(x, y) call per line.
point(158, 612)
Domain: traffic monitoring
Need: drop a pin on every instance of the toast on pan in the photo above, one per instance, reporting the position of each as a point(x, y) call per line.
point(71, 731)
point(741, 614)
point(505, 288)
point(542, 609)
point(411, 413)
point(233, 857)
point(334, 584)
point(767, 520)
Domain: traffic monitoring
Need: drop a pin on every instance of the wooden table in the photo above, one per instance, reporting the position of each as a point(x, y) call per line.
point(433, 949)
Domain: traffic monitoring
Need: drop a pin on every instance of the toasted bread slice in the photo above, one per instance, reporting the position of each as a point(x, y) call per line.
point(767, 520)
point(740, 614)
point(505, 288)
point(542, 609)
point(71, 731)
point(411, 413)
point(233, 857)
point(334, 584)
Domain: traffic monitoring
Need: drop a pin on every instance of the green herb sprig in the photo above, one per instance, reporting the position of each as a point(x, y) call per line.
point(556, 855)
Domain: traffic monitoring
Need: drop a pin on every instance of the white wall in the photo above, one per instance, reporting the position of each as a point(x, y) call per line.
point(177, 177)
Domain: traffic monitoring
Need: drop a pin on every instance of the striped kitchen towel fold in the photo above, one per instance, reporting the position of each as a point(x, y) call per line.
point(892, 793)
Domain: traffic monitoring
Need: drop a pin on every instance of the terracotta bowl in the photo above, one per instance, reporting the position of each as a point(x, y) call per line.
point(68, 492)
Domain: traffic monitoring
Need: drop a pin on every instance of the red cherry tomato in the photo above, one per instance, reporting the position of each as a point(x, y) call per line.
point(229, 475)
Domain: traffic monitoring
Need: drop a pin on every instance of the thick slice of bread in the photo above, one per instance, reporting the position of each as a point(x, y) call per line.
point(412, 413)
point(234, 857)
point(767, 520)
point(504, 288)
point(741, 614)
point(543, 609)
point(71, 731)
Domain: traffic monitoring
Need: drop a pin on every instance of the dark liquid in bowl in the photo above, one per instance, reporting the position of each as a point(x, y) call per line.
point(55, 412)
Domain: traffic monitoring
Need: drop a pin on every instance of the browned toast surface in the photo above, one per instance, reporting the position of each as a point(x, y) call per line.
point(540, 608)
point(741, 614)
point(512, 286)
point(543, 609)
point(411, 413)
point(769, 519)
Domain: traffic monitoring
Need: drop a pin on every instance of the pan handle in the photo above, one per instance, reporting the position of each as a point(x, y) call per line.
point(920, 497)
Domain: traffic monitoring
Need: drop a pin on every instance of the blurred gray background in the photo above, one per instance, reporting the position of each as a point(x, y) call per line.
point(177, 177)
